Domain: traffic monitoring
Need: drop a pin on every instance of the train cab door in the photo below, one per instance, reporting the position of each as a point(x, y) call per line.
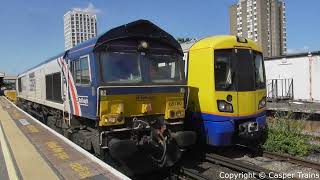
point(81, 72)
point(65, 89)
point(245, 79)
point(225, 79)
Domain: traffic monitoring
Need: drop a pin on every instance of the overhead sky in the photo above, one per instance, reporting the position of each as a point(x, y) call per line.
point(31, 31)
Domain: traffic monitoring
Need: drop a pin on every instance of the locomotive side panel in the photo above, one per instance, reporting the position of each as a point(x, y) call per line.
point(34, 85)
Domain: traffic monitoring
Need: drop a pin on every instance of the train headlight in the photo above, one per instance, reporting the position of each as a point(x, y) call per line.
point(180, 113)
point(143, 46)
point(174, 108)
point(112, 120)
point(262, 103)
point(111, 113)
point(224, 106)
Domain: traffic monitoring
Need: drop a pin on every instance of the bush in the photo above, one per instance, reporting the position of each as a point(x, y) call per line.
point(285, 135)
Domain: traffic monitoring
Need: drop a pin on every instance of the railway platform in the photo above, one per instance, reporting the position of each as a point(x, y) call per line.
point(30, 150)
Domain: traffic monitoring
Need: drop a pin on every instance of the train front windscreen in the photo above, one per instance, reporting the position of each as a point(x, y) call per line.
point(141, 68)
point(239, 70)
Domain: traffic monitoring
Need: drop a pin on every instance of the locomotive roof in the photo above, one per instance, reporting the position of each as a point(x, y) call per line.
point(221, 42)
point(137, 29)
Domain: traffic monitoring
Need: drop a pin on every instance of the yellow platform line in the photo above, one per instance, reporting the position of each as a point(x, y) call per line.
point(30, 163)
point(7, 157)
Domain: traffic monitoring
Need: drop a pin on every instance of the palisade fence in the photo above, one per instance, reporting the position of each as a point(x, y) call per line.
point(279, 89)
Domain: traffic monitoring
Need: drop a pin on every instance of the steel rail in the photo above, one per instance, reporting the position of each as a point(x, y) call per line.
point(292, 159)
point(193, 174)
point(284, 157)
point(256, 171)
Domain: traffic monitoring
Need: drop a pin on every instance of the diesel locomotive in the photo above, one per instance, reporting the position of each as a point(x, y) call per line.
point(119, 95)
point(227, 102)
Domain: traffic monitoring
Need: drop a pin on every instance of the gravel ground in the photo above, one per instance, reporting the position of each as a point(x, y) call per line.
point(314, 157)
point(214, 171)
point(287, 169)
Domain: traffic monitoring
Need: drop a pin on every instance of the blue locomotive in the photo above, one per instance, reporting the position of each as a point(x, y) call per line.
point(121, 94)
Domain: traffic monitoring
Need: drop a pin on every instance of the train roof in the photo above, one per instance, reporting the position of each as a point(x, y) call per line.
point(137, 29)
point(44, 62)
point(223, 41)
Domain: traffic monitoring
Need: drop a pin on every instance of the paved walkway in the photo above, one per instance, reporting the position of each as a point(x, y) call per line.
point(30, 151)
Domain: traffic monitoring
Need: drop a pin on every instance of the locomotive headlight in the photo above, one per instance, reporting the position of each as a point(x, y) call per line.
point(144, 44)
point(174, 108)
point(224, 106)
point(112, 119)
point(262, 103)
point(180, 113)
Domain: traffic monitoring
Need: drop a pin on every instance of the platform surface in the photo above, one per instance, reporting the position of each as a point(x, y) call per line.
point(30, 151)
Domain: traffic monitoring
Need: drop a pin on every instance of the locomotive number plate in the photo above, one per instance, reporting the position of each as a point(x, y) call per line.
point(175, 103)
point(144, 98)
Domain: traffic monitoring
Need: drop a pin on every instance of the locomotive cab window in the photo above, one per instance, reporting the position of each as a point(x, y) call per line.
point(53, 87)
point(80, 71)
point(245, 70)
point(120, 67)
point(259, 70)
point(166, 68)
point(223, 73)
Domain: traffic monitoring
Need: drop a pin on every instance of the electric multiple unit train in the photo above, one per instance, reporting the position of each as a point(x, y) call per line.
point(227, 98)
point(121, 93)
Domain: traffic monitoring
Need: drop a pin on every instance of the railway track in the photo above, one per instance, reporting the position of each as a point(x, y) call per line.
point(192, 174)
point(254, 171)
point(282, 157)
point(291, 159)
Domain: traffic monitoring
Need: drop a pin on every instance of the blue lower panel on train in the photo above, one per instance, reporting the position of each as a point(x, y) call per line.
point(221, 133)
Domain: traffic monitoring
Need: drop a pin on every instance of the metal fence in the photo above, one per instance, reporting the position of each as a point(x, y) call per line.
point(279, 89)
